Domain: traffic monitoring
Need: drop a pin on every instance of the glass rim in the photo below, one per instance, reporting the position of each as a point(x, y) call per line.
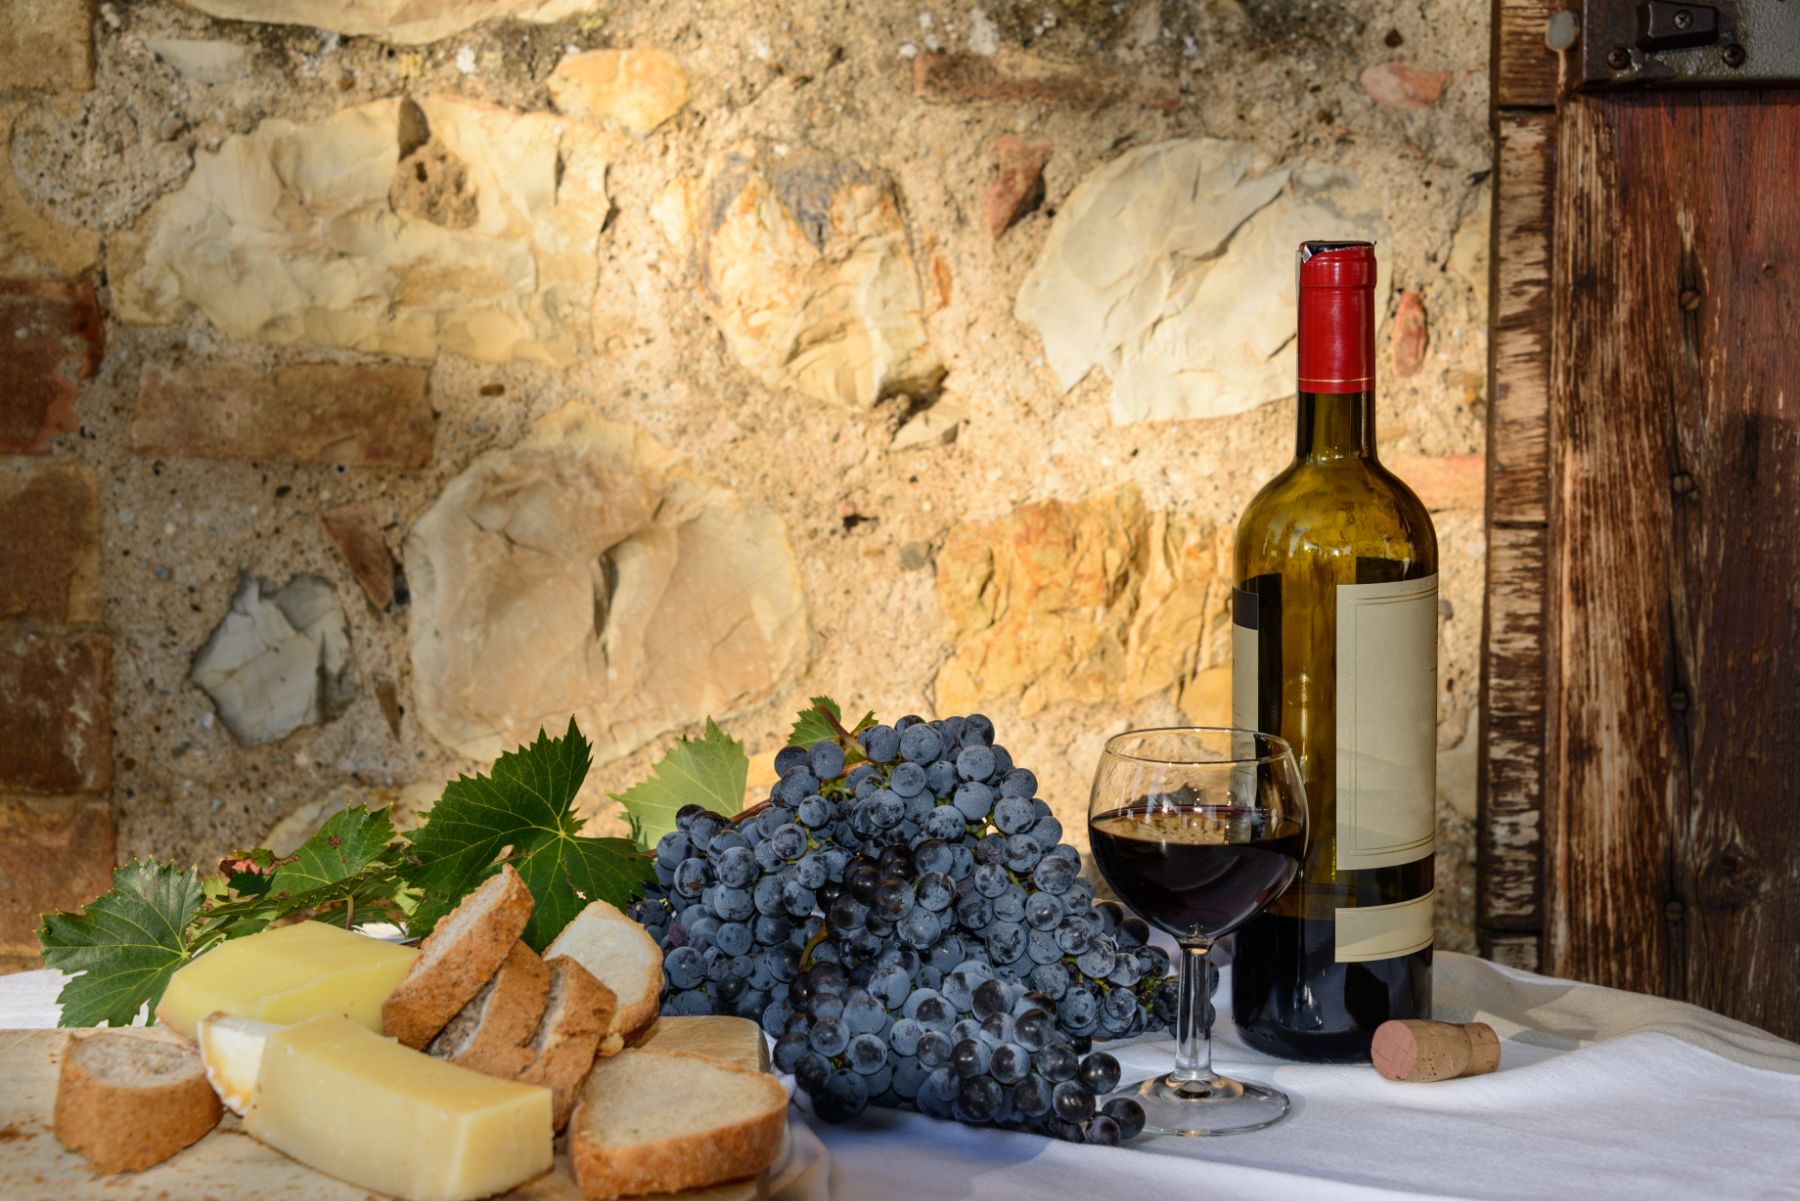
point(1278, 746)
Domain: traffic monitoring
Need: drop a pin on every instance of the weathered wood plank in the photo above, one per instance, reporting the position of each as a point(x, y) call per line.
point(1676, 572)
point(1510, 844)
point(1519, 344)
point(1524, 68)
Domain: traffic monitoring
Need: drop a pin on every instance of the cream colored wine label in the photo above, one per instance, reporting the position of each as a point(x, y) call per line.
point(1368, 932)
point(1386, 728)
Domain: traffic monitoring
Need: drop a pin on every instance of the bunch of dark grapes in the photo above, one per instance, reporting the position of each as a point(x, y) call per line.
point(905, 920)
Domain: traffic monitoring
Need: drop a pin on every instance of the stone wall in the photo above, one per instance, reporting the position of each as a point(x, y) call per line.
point(380, 385)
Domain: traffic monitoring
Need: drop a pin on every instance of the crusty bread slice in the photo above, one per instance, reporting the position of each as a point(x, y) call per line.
point(462, 954)
point(578, 1010)
point(489, 1033)
point(658, 1121)
point(621, 955)
point(126, 1102)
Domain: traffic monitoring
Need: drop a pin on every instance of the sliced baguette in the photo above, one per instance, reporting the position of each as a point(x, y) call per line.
point(579, 1008)
point(462, 954)
point(126, 1102)
point(489, 1033)
point(621, 955)
point(658, 1121)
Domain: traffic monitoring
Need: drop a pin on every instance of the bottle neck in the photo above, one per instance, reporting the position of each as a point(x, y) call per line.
point(1335, 425)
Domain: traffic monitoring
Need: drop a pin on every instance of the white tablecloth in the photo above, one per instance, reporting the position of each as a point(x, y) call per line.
point(1600, 1094)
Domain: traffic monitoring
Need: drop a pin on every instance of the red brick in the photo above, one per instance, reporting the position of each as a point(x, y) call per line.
point(1410, 336)
point(357, 536)
point(360, 415)
point(1402, 85)
point(54, 855)
point(52, 340)
point(50, 557)
point(1444, 481)
point(1022, 79)
point(55, 715)
point(1018, 185)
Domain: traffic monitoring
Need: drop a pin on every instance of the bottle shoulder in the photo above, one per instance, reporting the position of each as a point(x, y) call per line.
point(1341, 510)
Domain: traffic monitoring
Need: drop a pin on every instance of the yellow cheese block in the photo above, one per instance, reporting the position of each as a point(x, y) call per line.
point(385, 1117)
point(286, 975)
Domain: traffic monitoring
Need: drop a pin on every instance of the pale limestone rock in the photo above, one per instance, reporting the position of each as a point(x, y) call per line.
point(805, 264)
point(401, 22)
point(203, 61)
point(935, 426)
point(405, 806)
point(1469, 245)
point(279, 660)
point(31, 246)
point(636, 89)
point(589, 571)
point(1089, 601)
point(1171, 268)
point(393, 227)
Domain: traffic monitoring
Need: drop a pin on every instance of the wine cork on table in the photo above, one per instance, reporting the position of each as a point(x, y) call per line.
point(1419, 1052)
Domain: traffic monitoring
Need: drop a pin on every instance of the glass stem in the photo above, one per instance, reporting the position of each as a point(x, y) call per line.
point(1193, 1035)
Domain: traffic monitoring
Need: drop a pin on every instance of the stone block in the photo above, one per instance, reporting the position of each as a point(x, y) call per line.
point(46, 45)
point(55, 712)
point(53, 341)
point(1402, 85)
point(1171, 269)
point(1410, 336)
point(805, 263)
point(636, 89)
point(55, 855)
point(400, 22)
point(354, 414)
point(397, 227)
point(279, 660)
point(1091, 601)
point(1014, 78)
point(589, 571)
point(50, 556)
point(1018, 185)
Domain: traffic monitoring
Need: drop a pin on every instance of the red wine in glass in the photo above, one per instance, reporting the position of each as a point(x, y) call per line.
point(1196, 871)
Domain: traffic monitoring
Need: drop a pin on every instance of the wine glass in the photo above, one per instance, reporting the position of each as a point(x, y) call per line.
point(1197, 830)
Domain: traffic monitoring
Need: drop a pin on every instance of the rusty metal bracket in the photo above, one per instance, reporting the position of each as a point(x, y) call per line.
point(1665, 43)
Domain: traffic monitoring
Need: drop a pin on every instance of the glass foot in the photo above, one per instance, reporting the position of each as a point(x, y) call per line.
point(1204, 1107)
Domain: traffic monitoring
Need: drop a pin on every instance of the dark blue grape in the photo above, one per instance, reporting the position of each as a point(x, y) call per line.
point(703, 826)
point(1100, 1072)
point(1023, 853)
point(945, 823)
point(829, 1035)
point(908, 780)
point(671, 849)
point(1098, 959)
point(909, 1074)
point(1009, 906)
point(970, 1057)
point(974, 912)
point(975, 762)
point(1073, 1100)
point(1104, 1132)
point(890, 986)
point(826, 760)
point(931, 855)
point(1019, 783)
point(1006, 942)
point(1031, 1096)
point(1058, 1062)
point(940, 778)
point(684, 967)
point(991, 880)
point(920, 928)
point(935, 892)
point(736, 867)
point(1075, 936)
point(1047, 830)
point(904, 1036)
point(690, 1004)
point(979, 1101)
point(789, 1049)
point(1014, 815)
point(1010, 1063)
point(1128, 1114)
point(1078, 1011)
point(973, 800)
point(734, 938)
point(867, 1054)
point(788, 758)
point(844, 1096)
point(1053, 874)
point(881, 744)
point(921, 744)
point(988, 998)
point(934, 1048)
point(1044, 911)
point(1033, 1030)
point(691, 877)
point(814, 812)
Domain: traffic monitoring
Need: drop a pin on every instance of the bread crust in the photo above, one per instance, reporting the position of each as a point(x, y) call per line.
point(438, 985)
point(563, 1049)
point(633, 1015)
point(510, 1016)
point(731, 1152)
point(120, 1125)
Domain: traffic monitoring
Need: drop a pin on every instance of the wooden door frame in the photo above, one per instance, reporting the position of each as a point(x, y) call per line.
point(1518, 634)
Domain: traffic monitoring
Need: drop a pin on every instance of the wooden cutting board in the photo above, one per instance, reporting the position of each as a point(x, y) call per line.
point(229, 1165)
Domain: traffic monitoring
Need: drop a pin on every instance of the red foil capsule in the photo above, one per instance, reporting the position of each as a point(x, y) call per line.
point(1337, 317)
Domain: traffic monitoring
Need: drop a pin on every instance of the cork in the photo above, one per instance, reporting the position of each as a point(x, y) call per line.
point(1420, 1052)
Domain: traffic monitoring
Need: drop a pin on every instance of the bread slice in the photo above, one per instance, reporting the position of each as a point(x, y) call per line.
point(578, 1010)
point(657, 1121)
point(126, 1102)
point(489, 1033)
point(621, 955)
point(461, 955)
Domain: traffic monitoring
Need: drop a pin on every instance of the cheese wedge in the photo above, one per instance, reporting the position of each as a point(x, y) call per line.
point(231, 1048)
point(384, 1117)
point(286, 975)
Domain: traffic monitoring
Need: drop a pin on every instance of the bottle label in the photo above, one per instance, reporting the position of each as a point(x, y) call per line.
point(1386, 727)
point(1367, 932)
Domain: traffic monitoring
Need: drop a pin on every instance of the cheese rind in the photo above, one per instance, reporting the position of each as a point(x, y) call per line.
point(231, 1048)
point(287, 975)
point(381, 1116)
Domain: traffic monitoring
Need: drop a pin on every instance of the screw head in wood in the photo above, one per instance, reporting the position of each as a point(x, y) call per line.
point(1690, 300)
point(1618, 58)
point(1735, 56)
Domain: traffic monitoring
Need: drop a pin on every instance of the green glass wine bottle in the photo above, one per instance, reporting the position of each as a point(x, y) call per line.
point(1334, 648)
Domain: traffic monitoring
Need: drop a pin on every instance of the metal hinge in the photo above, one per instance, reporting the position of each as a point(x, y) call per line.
point(1659, 44)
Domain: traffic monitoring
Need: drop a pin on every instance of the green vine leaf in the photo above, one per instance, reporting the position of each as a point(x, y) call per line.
point(122, 950)
point(710, 770)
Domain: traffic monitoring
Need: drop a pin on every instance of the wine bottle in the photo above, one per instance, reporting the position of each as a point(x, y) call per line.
point(1334, 648)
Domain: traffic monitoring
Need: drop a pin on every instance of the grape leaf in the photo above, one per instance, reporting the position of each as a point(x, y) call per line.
point(525, 803)
point(122, 950)
point(813, 725)
point(345, 846)
point(710, 770)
